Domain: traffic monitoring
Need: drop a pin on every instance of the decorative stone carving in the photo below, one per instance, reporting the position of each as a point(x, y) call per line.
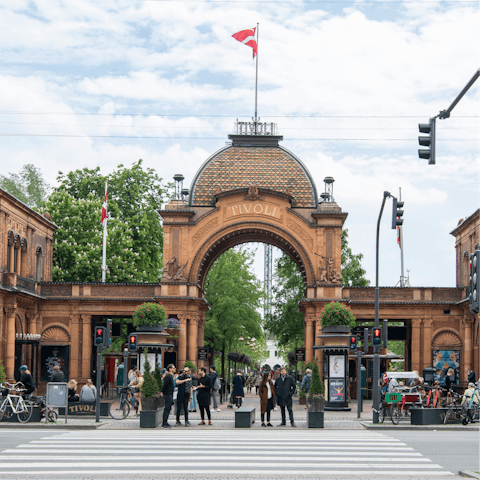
point(253, 194)
point(204, 230)
point(328, 274)
point(336, 277)
point(173, 270)
point(322, 277)
point(218, 189)
point(301, 232)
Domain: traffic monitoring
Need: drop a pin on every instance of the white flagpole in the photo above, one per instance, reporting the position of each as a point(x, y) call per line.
point(256, 86)
point(104, 257)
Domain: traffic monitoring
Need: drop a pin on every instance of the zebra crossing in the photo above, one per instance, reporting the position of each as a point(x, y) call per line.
point(223, 453)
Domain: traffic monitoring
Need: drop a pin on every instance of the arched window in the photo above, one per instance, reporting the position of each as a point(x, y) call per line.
point(23, 258)
point(10, 252)
point(39, 264)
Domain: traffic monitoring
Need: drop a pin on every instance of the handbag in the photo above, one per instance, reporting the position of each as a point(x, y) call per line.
point(175, 393)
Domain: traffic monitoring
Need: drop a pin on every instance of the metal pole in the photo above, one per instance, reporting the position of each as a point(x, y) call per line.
point(402, 274)
point(359, 383)
point(125, 356)
point(446, 113)
point(376, 358)
point(99, 384)
point(256, 87)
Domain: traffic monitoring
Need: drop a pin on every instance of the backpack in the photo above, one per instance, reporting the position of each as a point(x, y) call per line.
point(217, 385)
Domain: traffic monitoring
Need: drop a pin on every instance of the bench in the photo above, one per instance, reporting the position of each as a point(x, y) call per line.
point(244, 417)
point(85, 408)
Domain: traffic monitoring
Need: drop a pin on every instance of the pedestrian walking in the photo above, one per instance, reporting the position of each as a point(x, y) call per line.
point(267, 398)
point(203, 395)
point(167, 393)
point(216, 387)
point(237, 392)
point(284, 389)
point(184, 394)
point(258, 379)
point(307, 379)
point(57, 375)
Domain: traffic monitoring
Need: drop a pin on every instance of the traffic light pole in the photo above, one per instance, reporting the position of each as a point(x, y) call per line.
point(125, 356)
point(98, 382)
point(359, 383)
point(376, 348)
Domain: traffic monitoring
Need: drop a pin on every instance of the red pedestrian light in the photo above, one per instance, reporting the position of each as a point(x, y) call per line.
point(353, 343)
point(377, 336)
point(132, 343)
point(100, 336)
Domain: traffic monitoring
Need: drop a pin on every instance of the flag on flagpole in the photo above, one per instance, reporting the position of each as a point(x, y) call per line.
point(247, 37)
point(104, 207)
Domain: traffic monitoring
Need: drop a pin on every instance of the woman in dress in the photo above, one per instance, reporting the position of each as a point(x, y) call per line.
point(267, 398)
point(238, 393)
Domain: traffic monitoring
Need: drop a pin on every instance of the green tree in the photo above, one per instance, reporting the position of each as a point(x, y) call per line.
point(234, 294)
point(28, 186)
point(353, 275)
point(135, 234)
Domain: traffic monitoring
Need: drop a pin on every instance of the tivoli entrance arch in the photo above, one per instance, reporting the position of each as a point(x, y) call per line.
point(252, 190)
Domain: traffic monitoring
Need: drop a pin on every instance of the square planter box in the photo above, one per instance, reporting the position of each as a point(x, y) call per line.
point(151, 418)
point(302, 400)
point(429, 416)
point(36, 415)
point(315, 419)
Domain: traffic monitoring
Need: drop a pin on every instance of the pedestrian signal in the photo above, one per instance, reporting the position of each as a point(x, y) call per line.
point(377, 336)
point(353, 343)
point(132, 343)
point(100, 336)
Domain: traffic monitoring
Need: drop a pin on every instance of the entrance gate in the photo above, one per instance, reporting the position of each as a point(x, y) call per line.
point(252, 190)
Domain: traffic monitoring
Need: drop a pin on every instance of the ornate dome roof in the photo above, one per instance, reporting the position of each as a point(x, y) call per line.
point(253, 161)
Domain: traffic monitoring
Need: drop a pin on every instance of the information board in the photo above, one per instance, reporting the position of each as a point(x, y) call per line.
point(203, 353)
point(336, 390)
point(300, 354)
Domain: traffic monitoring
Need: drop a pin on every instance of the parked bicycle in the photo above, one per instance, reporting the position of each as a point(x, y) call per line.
point(120, 409)
point(40, 402)
point(470, 406)
point(14, 403)
point(454, 410)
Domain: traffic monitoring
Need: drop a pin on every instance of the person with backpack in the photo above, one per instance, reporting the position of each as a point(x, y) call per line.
point(306, 381)
point(216, 387)
point(27, 380)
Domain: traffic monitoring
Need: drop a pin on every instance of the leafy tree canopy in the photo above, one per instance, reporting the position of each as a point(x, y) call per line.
point(234, 294)
point(353, 275)
point(135, 234)
point(28, 186)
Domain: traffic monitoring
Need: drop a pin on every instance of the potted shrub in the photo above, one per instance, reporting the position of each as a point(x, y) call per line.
point(150, 317)
point(315, 400)
point(337, 321)
point(150, 416)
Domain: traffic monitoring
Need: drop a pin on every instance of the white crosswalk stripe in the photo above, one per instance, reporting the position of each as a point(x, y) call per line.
point(216, 452)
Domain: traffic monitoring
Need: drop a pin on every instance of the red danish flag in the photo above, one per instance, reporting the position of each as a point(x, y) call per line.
point(104, 207)
point(247, 37)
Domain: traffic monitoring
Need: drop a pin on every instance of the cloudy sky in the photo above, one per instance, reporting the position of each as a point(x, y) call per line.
point(347, 82)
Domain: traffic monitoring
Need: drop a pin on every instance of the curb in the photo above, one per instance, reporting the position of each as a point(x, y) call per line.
point(446, 428)
point(468, 474)
point(56, 426)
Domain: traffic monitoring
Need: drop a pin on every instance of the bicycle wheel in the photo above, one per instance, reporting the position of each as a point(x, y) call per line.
point(448, 414)
point(394, 415)
point(26, 411)
point(381, 413)
point(52, 416)
point(119, 409)
point(3, 407)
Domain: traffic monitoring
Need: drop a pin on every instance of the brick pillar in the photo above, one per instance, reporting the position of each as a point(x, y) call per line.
point(86, 345)
point(309, 332)
point(19, 261)
point(74, 319)
point(3, 328)
point(193, 338)
point(12, 258)
point(427, 343)
point(416, 326)
point(467, 356)
point(182, 341)
point(10, 349)
point(201, 337)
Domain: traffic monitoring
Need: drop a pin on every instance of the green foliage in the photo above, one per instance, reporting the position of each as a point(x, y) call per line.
point(302, 393)
point(149, 386)
point(353, 275)
point(3, 375)
point(135, 234)
point(317, 389)
point(150, 313)
point(28, 186)
point(157, 374)
point(190, 365)
point(234, 293)
point(336, 313)
point(286, 321)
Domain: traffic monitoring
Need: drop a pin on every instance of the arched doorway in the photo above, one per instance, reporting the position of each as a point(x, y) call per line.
point(252, 190)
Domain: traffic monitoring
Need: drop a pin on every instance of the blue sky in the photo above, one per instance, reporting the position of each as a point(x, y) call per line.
point(347, 83)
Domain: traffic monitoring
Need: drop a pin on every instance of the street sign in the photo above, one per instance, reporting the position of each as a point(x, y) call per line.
point(202, 353)
point(299, 354)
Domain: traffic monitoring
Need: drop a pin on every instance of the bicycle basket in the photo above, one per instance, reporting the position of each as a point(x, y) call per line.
point(393, 397)
point(4, 392)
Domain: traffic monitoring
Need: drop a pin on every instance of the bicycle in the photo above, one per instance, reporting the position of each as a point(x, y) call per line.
point(454, 409)
point(14, 404)
point(120, 409)
point(470, 408)
point(40, 402)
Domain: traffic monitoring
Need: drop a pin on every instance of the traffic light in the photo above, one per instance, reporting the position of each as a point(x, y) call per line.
point(100, 336)
point(474, 282)
point(353, 343)
point(396, 213)
point(428, 141)
point(132, 343)
point(108, 339)
point(377, 336)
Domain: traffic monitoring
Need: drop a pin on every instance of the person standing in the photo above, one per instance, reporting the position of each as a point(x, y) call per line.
point(203, 395)
point(258, 379)
point(167, 393)
point(470, 375)
point(193, 402)
point(267, 398)
point(306, 381)
point(284, 389)
point(57, 375)
point(237, 392)
point(184, 394)
point(216, 387)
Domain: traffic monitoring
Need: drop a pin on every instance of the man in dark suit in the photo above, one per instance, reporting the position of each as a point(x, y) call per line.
point(284, 390)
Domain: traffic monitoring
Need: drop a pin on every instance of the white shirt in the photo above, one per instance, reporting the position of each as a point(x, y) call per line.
point(269, 391)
